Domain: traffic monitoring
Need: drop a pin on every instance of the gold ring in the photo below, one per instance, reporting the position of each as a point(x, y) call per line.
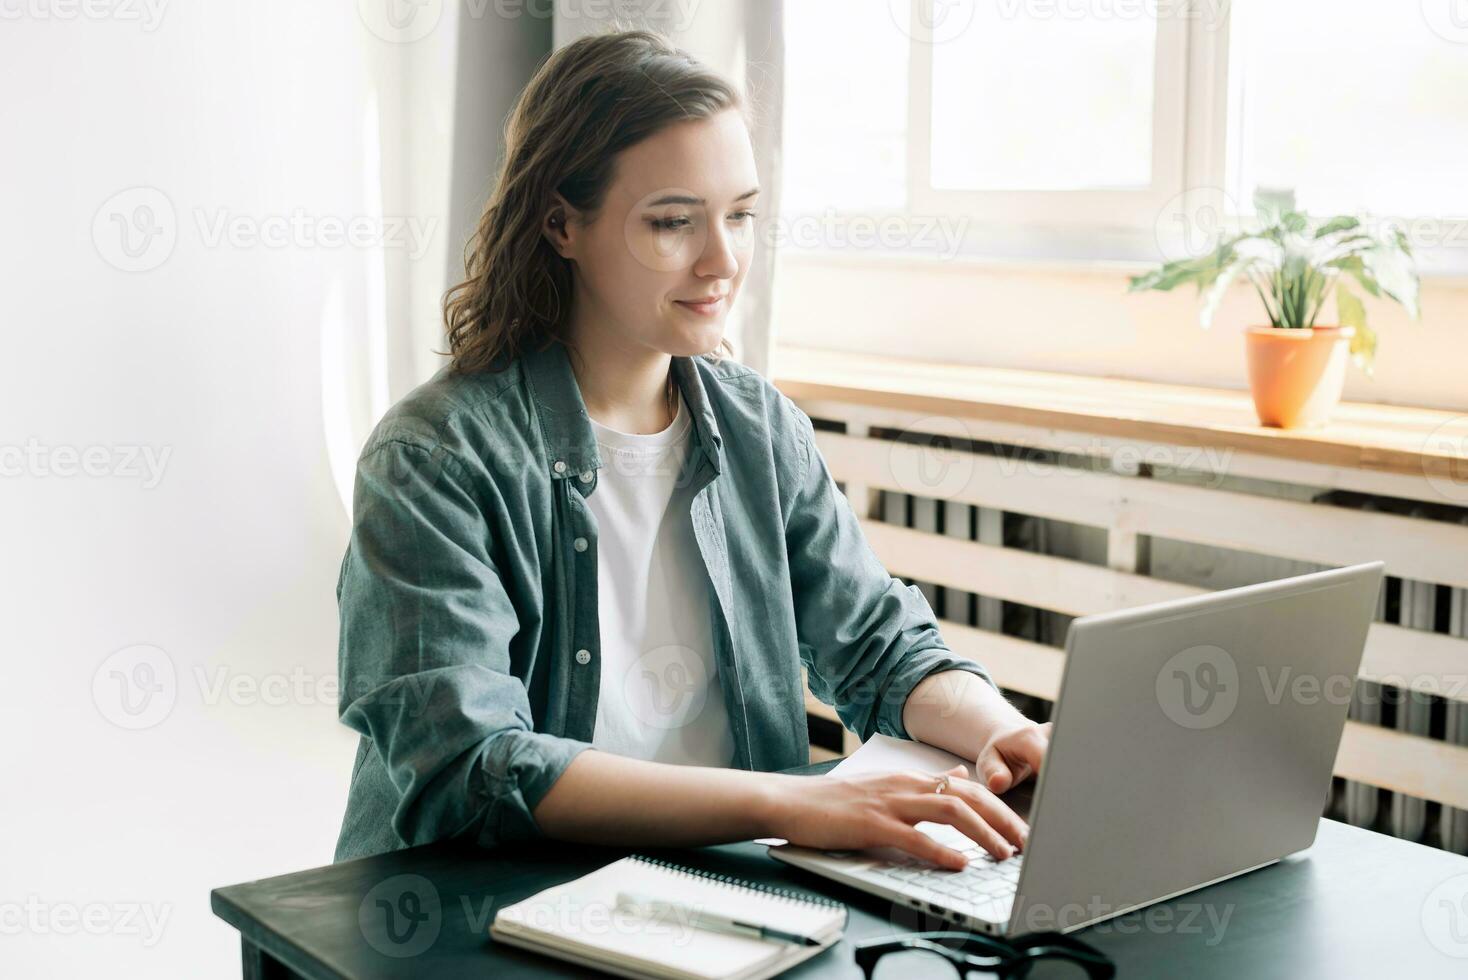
point(942, 783)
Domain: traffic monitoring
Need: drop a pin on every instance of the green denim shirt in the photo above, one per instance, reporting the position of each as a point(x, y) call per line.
point(469, 638)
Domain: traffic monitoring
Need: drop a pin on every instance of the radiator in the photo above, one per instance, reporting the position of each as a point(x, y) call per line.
point(1411, 604)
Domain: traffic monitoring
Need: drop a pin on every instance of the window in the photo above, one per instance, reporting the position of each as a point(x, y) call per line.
point(1094, 129)
point(1356, 103)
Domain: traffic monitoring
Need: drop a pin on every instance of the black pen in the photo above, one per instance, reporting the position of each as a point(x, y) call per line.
point(712, 921)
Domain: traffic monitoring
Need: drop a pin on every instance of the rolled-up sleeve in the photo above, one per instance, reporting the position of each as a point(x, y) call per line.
point(424, 658)
point(866, 638)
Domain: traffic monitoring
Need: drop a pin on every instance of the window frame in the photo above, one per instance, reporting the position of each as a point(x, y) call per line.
point(1191, 172)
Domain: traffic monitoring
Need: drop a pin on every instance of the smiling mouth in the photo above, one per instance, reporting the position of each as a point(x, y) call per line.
point(706, 307)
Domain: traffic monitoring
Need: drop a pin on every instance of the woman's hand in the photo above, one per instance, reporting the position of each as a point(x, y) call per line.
point(880, 809)
point(1012, 754)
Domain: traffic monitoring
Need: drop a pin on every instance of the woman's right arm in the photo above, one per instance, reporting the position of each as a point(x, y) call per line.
point(426, 675)
point(604, 798)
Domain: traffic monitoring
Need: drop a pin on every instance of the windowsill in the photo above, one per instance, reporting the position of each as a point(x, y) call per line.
point(1450, 270)
point(1363, 436)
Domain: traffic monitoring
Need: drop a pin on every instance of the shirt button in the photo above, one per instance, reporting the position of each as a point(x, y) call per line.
point(586, 477)
point(560, 466)
point(583, 656)
point(580, 544)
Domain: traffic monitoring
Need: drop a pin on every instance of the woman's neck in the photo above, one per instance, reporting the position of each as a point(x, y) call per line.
point(624, 386)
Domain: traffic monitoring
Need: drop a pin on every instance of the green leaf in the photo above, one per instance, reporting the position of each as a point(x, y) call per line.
point(1352, 313)
point(1343, 223)
point(1271, 204)
point(1200, 271)
point(1391, 266)
point(1215, 294)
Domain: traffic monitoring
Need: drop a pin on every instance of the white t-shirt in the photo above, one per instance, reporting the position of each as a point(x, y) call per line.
point(660, 694)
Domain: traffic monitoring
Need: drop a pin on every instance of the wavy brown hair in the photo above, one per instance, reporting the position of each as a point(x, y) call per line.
point(589, 101)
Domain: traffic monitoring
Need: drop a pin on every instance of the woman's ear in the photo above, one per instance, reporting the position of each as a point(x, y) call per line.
point(557, 227)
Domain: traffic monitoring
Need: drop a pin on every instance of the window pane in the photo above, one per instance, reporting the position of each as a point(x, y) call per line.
point(1357, 104)
point(1031, 96)
point(845, 138)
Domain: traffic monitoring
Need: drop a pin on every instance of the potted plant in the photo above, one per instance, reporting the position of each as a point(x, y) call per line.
point(1296, 367)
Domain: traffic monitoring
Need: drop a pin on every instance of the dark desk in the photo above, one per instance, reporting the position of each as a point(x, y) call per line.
point(1356, 904)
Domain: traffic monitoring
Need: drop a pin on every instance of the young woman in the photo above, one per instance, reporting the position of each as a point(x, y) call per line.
point(590, 557)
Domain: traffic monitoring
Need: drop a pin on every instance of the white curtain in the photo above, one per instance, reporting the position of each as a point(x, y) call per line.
point(746, 43)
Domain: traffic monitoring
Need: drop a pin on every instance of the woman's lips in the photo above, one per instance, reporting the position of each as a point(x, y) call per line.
point(705, 308)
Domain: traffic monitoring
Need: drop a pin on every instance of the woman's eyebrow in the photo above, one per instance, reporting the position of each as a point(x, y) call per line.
point(685, 199)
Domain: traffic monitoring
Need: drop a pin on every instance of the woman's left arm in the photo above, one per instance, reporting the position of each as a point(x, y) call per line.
point(957, 711)
point(871, 643)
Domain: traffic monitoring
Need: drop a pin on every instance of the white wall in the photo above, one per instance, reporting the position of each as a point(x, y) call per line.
point(1080, 319)
point(136, 781)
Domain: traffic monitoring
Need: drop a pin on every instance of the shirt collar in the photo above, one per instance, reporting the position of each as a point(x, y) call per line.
point(570, 443)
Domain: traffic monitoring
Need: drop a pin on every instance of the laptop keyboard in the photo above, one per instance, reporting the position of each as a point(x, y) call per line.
point(984, 889)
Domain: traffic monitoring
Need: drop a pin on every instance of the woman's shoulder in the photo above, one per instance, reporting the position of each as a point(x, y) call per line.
point(452, 412)
point(731, 379)
point(759, 401)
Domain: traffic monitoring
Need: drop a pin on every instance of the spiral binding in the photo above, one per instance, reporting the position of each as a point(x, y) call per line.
point(729, 881)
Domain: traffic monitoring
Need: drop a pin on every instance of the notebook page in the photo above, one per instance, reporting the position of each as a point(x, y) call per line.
point(581, 915)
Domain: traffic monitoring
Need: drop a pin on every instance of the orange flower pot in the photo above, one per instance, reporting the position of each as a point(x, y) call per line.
point(1296, 376)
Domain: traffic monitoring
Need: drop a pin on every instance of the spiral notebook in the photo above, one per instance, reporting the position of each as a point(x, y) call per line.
point(580, 922)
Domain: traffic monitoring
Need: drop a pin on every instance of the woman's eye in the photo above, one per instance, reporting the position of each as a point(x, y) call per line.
point(743, 215)
point(670, 224)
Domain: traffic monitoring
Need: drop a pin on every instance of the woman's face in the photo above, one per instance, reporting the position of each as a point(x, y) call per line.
point(663, 261)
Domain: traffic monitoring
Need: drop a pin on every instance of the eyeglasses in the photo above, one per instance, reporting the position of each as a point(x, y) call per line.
point(1040, 954)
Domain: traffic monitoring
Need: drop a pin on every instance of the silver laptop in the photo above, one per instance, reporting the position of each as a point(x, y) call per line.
point(1193, 740)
